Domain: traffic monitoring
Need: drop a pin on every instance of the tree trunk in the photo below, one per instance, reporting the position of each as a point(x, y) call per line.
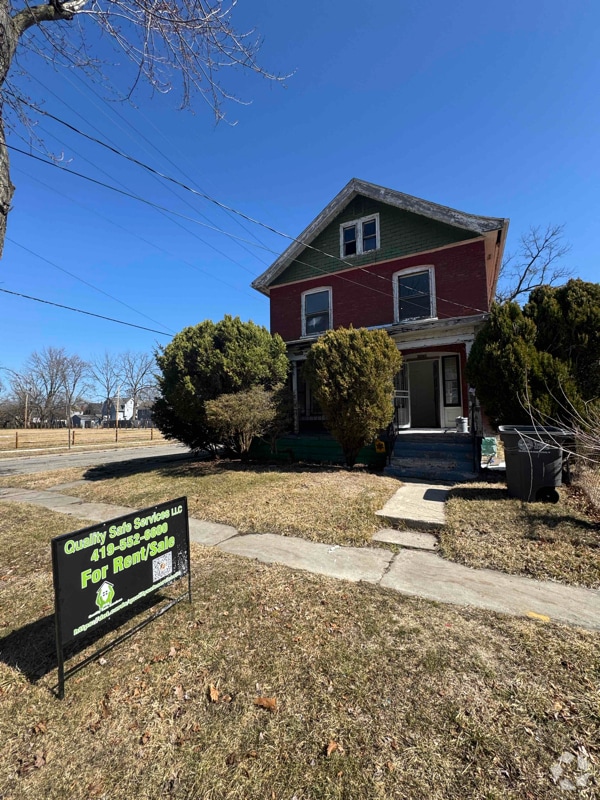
point(11, 29)
point(8, 44)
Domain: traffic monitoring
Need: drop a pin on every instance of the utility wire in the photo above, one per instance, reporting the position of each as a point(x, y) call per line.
point(131, 233)
point(223, 206)
point(132, 196)
point(81, 280)
point(176, 213)
point(88, 313)
point(156, 176)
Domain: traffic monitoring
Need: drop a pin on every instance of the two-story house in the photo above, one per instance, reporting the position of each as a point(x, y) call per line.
point(378, 258)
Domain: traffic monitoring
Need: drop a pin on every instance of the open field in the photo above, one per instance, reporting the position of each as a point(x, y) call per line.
point(19, 440)
point(372, 695)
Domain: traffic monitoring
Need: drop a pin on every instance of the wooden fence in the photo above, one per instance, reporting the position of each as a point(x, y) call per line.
point(78, 438)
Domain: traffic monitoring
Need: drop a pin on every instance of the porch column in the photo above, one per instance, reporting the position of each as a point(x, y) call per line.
point(295, 396)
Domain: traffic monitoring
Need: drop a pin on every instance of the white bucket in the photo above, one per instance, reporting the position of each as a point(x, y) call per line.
point(462, 425)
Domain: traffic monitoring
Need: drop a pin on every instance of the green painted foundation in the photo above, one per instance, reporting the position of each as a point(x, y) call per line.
point(319, 449)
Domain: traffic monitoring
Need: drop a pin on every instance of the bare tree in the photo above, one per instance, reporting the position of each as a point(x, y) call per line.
point(183, 44)
point(44, 376)
point(537, 262)
point(75, 378)
point(23, 396)
point(106, 371)
point(138, 378)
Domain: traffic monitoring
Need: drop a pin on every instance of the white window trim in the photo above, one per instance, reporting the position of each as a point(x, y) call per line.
point(359, 239)
point(316, 291)
point(432, 296)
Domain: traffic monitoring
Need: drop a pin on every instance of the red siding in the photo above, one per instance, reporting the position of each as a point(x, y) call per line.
point(364, 297)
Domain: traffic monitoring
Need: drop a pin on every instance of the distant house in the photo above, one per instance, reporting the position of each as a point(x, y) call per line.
point(109, 412)
point(80, 420)
point(378, 258)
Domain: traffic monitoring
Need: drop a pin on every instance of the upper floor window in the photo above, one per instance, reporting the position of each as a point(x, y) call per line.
point(414, 294)
point(316, 311)
point(359, 236)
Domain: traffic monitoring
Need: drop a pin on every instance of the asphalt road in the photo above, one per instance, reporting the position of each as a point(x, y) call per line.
point(26, 465)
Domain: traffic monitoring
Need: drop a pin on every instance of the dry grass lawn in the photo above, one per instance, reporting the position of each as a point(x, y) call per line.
point(371, 695)
point(324, 505)
point(487, 528)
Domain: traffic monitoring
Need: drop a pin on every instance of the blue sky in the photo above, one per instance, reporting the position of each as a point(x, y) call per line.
point(489, 108)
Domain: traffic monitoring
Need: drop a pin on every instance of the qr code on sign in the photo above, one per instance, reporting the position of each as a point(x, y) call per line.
point(162, 566)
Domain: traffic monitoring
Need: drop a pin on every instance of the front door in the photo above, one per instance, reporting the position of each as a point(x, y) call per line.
point(424, 391)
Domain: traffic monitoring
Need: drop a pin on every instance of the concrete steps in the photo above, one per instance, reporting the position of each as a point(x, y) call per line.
point(433, 456)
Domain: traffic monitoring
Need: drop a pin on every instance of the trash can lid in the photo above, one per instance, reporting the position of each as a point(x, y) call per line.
point(533, 431)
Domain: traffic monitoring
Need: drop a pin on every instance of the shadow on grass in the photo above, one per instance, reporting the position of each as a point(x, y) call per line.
point(202, 467)
point(493, 492)
point(31, 649)
point(137, 466)
point(537, 516)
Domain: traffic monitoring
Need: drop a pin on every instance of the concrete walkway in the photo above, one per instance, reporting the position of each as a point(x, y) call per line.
point(415, 569)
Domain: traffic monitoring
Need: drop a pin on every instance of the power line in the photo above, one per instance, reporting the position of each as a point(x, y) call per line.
point(155, 175)
point(86, 283)
point(132, 196)
point(225, 207)
point(131, 233)
point(88, 313)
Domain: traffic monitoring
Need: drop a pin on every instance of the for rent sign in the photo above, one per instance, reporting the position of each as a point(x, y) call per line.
point(103, 569)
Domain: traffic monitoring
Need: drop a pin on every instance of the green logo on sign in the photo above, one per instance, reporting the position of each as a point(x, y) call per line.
point(105, 595)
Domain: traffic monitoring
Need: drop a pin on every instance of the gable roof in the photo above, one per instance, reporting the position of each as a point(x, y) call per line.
point(406, 202)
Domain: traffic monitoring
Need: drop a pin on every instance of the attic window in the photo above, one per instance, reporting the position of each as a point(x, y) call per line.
point(359, 236)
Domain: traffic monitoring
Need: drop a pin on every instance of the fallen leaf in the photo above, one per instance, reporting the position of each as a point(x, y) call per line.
point(213, 694)
point(332, 747)
point(270, 703)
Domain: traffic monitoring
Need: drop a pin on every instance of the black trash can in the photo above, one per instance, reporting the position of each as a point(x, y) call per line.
point(533, 456)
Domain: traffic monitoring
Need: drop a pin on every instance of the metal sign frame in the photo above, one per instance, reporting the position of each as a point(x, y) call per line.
point(114, 565)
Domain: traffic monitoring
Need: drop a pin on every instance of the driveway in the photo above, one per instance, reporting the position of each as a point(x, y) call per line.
point(26, 465)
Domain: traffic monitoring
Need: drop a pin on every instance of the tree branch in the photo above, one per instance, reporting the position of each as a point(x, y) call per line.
point(34, 15)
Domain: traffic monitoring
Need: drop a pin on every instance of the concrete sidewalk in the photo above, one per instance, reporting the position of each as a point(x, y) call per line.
point(416, 569)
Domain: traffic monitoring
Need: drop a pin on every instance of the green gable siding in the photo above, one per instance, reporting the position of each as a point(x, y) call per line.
point(402, 233)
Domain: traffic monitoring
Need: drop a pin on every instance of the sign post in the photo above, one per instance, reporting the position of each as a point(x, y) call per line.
point(106, 568)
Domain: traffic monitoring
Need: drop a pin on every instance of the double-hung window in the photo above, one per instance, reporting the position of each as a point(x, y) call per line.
point(359, 236)
point(316, 311)
point(414, 293)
